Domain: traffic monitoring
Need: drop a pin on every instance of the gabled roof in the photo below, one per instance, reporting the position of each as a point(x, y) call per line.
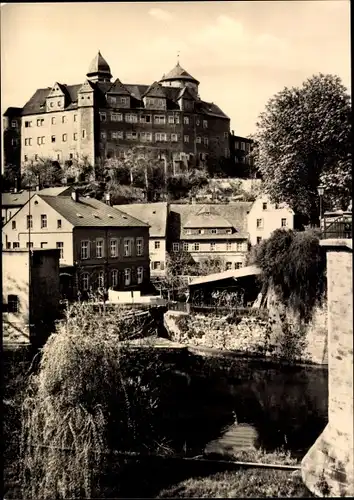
point(185, 92)
point(207, 217)
point(155, 90)
point(21, 198)
point(88, 212)
point(154, 214)
point(56, 191)
point(178, 73)
point(235, 213)
point(118, 88)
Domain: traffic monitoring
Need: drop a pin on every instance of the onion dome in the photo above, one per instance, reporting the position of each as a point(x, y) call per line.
point(178, 73)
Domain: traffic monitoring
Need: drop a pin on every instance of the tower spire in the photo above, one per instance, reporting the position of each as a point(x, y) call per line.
point(178, 54)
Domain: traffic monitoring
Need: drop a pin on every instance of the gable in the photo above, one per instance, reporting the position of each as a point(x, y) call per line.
point(56, 91)
point(118, 89)
point(87, 86)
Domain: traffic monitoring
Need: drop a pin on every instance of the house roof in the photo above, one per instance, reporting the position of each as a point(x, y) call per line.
point(118, 88)
point(20, 198)
point(155, 90)
point(234, 213)
point(233, 274)
point(178, 73)
point(13, 111)
point(207, 217)
point(91, 212)
point(154, 214)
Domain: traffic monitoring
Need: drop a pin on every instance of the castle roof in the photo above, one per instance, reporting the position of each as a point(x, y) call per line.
point(154, 214)
point(99, 65)
point(178, 73)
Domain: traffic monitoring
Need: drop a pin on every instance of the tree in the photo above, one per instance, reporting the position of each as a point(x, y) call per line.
point(303, 139)
point(43, 172)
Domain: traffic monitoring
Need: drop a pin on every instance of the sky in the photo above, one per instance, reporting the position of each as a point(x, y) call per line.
point(241, 52)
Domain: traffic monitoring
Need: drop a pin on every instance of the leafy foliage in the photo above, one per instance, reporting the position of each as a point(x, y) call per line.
point(294, 264)
point(303, 140)
point(42, 173)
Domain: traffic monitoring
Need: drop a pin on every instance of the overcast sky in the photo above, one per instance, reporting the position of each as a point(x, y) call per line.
point(241, 52)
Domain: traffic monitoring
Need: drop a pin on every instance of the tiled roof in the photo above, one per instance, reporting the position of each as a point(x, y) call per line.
point(118, 88)
point(207, 217)
point(155, 90)
point(91, 212)
point(99, 65)
point(13, 111)
point(235, 213)
point(56, 191)
point(154, 214)
point(234, 273)
point(200, 237)
point(19, 199)
point(178, 73)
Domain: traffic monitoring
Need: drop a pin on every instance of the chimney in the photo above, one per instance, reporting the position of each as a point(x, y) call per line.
point(75, 195)
point(107, 198)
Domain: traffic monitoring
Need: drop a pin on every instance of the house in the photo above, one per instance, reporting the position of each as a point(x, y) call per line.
point(264, 217)
point(103, 118)
point(30, 295)
point(12, 202)
point(100, 246)
point(241, 164)
point(210, 231)
point(156, 215)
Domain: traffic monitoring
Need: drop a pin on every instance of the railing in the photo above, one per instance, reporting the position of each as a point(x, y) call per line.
point(217, 310)
point(336, 226)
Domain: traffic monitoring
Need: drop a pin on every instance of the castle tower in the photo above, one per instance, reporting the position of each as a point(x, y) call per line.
point(99, 70)
point(179, 77)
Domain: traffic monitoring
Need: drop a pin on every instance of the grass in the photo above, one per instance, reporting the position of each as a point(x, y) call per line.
point(245, 483)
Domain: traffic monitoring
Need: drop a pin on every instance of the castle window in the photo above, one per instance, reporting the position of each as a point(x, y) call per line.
point(145, 136)
point(132, 135)
point(28, 124)
point(65, 137)
point(58, 223)
point(206, 141)
point(117, 135)
point(226, 135)
point(283, 223)
point(83, 133)
point(145, 119)
point(160, 137)
point(59, 103)
point(160, 119)
point(176, 119)
point(36, 157)
point(186, 120)
point(14, 124)
point(75, 118)
point(53, 120)
point(174, 137)
point(51, 104)
point(28, 141)
point(171, 119)
point(53, 138)
point(114, 277)
point(40, 122)
point(198, 122)
point(75, 136)
point(25, 157)
point(195, 247)
point(186, 138)
point(13, 224)
point(205, 123)
point(131, 118)
point(63, 119)
point(116, 117)
point(71, 156)
point(85, 279)
point(127, 276)
point(175, 247)
point(243, 146)
point(12, 304)
point(124, 100)
point(103, 135)
point(259, 223)
point(103, 117)
point(199, 140)
point(112, 99)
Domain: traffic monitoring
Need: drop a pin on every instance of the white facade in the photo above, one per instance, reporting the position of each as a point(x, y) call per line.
point(264, 217)
point(157, 253)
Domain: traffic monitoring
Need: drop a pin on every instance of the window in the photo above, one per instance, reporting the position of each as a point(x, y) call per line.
point(206, 141)
point(213, 231)
point(44, 243)
point(8, 245)
point(238, 265)
point(199, 140)
point(117, 135)
point(63, 118)
point(155, 265)
point(212, 247)
point(43, 221)
point(176, 119)
point(29, 222)
point(116, 117)
point(139, 246)
point(228, 266)
point(139, 274)
point(53, 138)
point(65, 137)
point(259, 223)
point(85, 249)
point(103, 117)
point(113, 248)
point(243, 146)
point(99, 249)
point(186, 138)
point(160, 119)
point(127, 247)
point(71, 156)
point(15, 244)
point(239, 247)
point(25, 157)
point(174, 137)
point(53, 120)
point(114, 277)
point(146, 136)
point(196, 247)
point(75, 136)
point(36, 157)
point(205, 123)
point(127, 277)
point(259, 239)
point(145, 119)
point(85, 281)
point(124, 100)
point(130, 118)
point(283, 223)
point(51, 104)
point(40, 140)
point(75, 118)
point(28, 142)
point(132, 136)
point(83, 133)
point(13, 224)
point(185, 247)
point(12, 304)
point(100, 281)
point(228, 246)
point(226, 135)
point(28, 124)
point(265, 206)
point(188, 231)
point(14, 124)
point(40, 122)
point(161, 137)
point(186, 120)
point(171, 119)
point(58, 223)
point(29, 244)
point(157, 245)
point(197, 122)
point(112, 100)
point(175, 247)
point(60, 246)
point(103, 135)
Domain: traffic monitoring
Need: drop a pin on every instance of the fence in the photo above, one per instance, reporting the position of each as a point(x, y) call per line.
point(336, 225)
point(217, 310)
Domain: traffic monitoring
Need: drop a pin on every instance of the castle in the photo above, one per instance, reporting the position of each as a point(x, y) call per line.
point(103, 118)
